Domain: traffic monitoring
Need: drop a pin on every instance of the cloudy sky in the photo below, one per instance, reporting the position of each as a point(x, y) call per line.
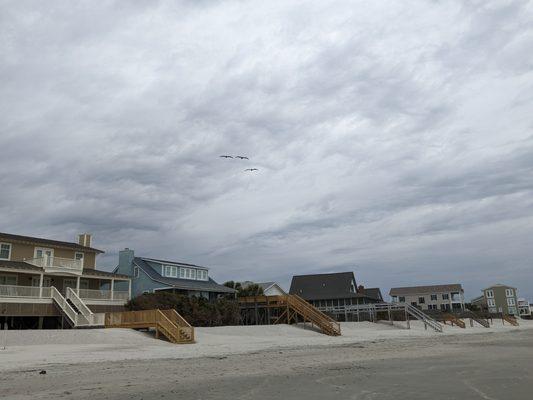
point(394, 139)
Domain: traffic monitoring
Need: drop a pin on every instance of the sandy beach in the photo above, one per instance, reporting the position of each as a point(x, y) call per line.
point(37, 349)
point(249, 362)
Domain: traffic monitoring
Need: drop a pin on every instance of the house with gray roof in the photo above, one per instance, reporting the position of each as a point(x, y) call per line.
point(149, 275)
point(448, 297)
point(333, 292)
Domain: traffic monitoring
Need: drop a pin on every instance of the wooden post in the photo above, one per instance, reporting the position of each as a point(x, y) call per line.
point(129, 289)
point(41, 285)
point(112, 288)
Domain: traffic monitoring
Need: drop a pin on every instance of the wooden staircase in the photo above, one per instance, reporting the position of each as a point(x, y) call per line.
point(454, 320)
point(512, 320)
point(481, 321)
point(167, 322)
point(298, 307)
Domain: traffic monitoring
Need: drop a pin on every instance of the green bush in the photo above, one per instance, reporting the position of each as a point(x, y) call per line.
point(196, 310)
point(252, 289)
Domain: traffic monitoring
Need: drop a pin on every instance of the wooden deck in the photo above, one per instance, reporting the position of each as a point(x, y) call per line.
point(166, 322)
point(286, 309)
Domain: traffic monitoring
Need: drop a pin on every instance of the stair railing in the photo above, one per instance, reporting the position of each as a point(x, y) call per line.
point(75, 318)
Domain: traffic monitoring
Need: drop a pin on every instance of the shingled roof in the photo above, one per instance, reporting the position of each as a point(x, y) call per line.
point(324, 286)
point(147, 265)
point(412, 290)
point(47, 242)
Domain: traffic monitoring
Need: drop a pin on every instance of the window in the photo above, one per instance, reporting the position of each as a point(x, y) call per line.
point(395, 299)
point(401, 299)
point(489, 294)
point(421, 300)
point(8, 280)
point(193, 274)
point(47, 254)
point(182, 272)
point(135, 272)
point(170, 271)
point(512, 310)
point(445, 307)
point(509, 293)
point(413, 303)
point(352, 287)
point(5, 251)
point(511, 302)
point(491, 303)
point(432, 306)
point(79, 256)
point(433, 297)
point(492, 310)
point(202, 275)
point(445, 296)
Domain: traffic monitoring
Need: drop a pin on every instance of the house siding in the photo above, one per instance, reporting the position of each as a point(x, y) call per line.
point(23, 251)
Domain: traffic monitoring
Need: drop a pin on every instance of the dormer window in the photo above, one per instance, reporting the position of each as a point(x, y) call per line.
point(170, 271)
point(5, 251)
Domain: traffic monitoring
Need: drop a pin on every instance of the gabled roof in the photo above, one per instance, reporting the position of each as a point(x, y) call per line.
point(324, 286)
point(148, 265)
point(499, 285)
point(268, 285)
point(374, 293)
point(411, 290)
point(46, 242)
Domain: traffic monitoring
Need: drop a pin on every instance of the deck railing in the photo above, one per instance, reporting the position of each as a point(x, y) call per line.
point(45, 293)
point(57, 263)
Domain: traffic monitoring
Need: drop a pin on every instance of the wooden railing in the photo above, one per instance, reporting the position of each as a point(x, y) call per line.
point(454, 320)
point(512, 320)
point(165, 322)
point(309, 312)
point(186, 331)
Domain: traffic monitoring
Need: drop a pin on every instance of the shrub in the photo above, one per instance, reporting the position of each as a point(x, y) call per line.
point(196, 310)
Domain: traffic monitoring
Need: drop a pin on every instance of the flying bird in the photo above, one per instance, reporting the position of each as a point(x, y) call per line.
point(251, 169)
point(226, 156)
point(242, 157)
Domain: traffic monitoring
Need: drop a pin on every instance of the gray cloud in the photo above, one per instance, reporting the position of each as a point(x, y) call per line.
point(393, 139)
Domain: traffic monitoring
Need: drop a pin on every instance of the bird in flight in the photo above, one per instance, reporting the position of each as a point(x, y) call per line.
point(242, 157)
point(251, 169)
point(226, 156)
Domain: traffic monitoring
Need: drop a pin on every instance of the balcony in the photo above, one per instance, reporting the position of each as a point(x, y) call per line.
point(56, 265)
point(35, 292)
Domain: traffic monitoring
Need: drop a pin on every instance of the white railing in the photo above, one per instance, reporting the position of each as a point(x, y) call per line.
point(80, 305)
point(19, 291)
point(35, 292)
point(57, 263)
point(103, 294)
point(77, 319)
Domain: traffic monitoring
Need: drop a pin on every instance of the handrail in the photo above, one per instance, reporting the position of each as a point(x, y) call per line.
point(424, 317)
point(316, 316)
point(512, 320)
point(477, 318)
point(67, 309)
point(175, 317)
point(72, 296)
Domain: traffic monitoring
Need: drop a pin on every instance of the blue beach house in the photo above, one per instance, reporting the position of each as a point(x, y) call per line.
point(149, 275)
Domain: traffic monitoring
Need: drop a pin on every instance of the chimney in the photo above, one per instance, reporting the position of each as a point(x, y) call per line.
point(361, 289)
point(125, 259)
point(84, 239)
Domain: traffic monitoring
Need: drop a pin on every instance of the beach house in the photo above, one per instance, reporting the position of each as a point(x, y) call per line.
point(448, 297)
point(149, 275)
point(43, 282)
point(500, 299)
point(333, 293)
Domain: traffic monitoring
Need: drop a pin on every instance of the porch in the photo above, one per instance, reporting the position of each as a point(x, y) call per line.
point(92, 286)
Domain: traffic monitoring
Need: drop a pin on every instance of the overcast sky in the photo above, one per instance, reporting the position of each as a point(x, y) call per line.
point(393, 139)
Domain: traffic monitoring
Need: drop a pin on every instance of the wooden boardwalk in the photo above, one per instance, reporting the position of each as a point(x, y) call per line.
point(166, 322)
